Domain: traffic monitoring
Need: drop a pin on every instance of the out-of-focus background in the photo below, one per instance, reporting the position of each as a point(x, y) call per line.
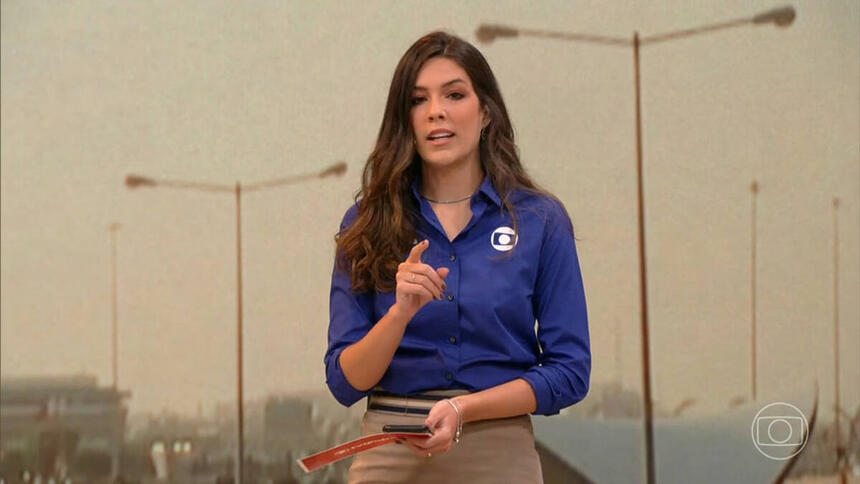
point(218, 92)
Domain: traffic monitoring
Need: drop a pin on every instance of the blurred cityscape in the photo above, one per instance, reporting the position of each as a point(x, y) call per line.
point(69, 429)
point(65, 429)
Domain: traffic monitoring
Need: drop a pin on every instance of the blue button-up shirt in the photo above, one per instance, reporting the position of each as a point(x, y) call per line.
point(483, 332)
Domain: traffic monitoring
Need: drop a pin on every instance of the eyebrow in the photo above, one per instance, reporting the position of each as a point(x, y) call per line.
point(422, 88)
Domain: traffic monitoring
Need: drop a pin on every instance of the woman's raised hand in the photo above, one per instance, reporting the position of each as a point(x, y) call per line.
point(418, 283)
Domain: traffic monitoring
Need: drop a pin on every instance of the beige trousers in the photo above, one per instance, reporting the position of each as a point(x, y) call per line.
point(490, 451)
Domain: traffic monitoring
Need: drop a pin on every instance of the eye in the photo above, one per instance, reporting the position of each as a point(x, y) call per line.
point(457, 95)
point(416, 100)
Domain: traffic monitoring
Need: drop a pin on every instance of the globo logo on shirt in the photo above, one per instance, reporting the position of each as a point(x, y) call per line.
point(503, 239)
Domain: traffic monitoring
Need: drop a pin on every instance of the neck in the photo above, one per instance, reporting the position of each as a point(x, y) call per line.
point(451, 182)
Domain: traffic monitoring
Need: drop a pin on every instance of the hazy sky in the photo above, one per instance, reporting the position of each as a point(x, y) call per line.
point(216, 91)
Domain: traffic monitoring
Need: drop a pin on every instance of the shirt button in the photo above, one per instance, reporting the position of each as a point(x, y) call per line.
point(450, 297)
point(452, 257)
point(449, 376)
point(452, 339)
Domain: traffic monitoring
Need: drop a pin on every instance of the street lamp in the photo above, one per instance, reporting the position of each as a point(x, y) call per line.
point(840, 452)
point(137, 181)
point(113, 228)
point(781, 17)
point(753, 300)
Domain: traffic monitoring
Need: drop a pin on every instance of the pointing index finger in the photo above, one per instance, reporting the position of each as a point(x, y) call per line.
point(415, 253)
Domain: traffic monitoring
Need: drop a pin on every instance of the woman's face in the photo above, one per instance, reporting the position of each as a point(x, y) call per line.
point(445, 104)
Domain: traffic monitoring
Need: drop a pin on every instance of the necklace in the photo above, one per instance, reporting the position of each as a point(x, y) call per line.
point(448, 201)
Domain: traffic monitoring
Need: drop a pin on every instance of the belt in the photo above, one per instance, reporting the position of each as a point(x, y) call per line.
point(414, 404)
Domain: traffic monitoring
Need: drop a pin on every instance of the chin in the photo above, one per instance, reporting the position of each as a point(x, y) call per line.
point(441, 159)
point(438, 161)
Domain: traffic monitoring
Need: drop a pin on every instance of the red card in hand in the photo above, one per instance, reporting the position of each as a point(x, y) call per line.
point(348, 449)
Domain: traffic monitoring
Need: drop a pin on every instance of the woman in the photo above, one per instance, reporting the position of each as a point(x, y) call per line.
point(444, 263)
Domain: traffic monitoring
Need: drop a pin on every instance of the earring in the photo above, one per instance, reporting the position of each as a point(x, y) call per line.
point(483, 134)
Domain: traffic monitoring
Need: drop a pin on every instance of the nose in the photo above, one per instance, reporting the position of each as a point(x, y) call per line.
point(435, 110)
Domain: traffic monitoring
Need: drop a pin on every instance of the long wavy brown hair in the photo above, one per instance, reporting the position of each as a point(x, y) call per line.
point(379, 239)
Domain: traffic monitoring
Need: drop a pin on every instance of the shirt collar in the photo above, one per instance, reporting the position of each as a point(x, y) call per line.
point(486, 188)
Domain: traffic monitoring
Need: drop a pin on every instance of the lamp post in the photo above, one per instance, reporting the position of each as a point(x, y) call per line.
point(753, 301)
point(618, 355)
point(135, 181)
point(113, 228)
point(839, 450)
point(782, 17)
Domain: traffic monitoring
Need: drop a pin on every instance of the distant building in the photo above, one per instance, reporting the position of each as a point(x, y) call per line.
point(299, 425)
point(288, 426)
point(178, 448)
point(60, 426)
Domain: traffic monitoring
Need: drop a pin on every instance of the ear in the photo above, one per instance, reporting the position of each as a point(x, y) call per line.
point(486, 115)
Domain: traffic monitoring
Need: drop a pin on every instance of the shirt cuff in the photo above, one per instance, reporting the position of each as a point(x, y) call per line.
point(337, 383)
point(550, 399)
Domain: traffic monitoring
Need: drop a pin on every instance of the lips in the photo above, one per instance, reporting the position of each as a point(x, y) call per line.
point(440, 134)
point(441, 140)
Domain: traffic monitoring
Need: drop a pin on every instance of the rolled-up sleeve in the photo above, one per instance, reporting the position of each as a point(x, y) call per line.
point(561, 377)
point(350, 318)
